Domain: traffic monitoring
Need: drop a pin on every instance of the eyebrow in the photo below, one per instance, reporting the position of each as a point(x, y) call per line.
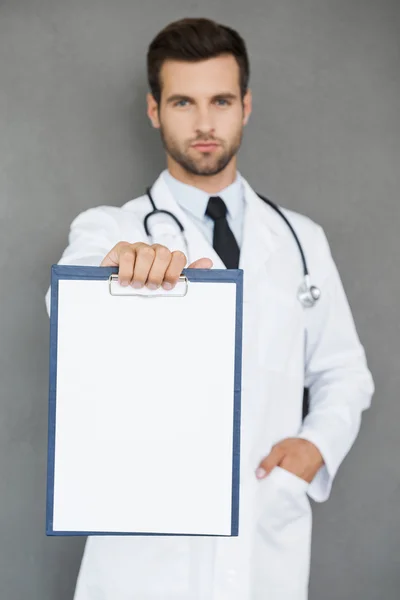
point(225, 96)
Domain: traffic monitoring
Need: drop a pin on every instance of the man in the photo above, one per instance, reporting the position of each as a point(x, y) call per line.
point(198, 73)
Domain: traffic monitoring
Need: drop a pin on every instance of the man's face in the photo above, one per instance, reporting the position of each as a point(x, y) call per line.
point(201, 114)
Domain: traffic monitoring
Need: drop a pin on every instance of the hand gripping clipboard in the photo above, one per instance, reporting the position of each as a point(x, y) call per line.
point(144, 404)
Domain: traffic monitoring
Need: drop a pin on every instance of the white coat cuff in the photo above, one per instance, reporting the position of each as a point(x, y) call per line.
point(333, 435)
point(320, 487)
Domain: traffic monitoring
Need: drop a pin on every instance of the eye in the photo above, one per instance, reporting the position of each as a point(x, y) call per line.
point(224, 101)
point(179, 102)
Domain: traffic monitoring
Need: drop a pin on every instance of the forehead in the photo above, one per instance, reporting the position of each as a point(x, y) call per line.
point(203, 77)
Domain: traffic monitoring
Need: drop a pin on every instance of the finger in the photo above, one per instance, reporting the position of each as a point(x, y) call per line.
point(201, 263)
point(145, 256)
point(300, 468)
point(270, 462)
point(112, 258)
point(160, 265)
point(126, 257)
point(177, 263)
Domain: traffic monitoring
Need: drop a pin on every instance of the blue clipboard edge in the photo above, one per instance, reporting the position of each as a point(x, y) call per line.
point(60, 272)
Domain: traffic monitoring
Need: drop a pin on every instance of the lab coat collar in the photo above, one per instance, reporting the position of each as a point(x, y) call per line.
point(262, 231)
point(195, 200)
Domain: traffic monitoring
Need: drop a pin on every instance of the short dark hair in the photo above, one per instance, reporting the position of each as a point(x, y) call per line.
point(193, 40)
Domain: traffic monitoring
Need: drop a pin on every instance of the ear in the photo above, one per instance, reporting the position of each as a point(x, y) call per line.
point(152, 111)
point(247, 106)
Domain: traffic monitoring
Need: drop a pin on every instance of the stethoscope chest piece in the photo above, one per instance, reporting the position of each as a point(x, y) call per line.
point(308, 294)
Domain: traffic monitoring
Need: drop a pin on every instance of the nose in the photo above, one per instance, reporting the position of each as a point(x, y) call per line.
point(204, 122)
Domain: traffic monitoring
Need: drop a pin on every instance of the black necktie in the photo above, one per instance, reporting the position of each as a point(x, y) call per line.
point(224, 241)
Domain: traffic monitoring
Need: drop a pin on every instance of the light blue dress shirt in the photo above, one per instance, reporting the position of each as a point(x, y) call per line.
point(194, 202)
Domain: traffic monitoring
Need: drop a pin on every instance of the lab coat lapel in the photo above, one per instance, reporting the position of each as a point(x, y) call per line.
point(262, 238)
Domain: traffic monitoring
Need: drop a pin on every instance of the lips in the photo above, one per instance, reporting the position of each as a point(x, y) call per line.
point(205, 146)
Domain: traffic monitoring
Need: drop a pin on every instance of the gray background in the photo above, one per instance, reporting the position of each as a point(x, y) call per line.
point(323, 139)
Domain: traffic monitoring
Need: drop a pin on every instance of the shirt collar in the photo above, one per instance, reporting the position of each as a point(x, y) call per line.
point(195, 200)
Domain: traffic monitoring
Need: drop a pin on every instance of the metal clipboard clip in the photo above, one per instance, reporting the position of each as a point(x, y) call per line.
point(180, 290)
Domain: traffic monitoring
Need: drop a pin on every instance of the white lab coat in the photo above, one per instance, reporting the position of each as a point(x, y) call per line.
point(285, 347)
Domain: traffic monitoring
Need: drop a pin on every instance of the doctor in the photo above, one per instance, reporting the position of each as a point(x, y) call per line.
point(198, 73)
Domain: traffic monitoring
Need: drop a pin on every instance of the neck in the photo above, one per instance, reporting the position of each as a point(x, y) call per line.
point(212, 184)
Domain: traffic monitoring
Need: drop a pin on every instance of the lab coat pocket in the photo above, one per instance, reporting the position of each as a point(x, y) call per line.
point(283, 537)
point(295, 484)
point(283, 500)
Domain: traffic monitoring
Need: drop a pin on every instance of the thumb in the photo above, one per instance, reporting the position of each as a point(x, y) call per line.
point(201, 263)
point(108, 262)
point(270, 462)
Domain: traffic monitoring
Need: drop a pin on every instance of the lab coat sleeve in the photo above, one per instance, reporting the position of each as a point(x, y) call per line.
point(339, 381)
point(92, 235)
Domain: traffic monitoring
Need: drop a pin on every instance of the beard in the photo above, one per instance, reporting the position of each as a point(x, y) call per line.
point(209, 163)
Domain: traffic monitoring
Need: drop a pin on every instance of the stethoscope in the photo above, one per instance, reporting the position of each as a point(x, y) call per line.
point(307, 294)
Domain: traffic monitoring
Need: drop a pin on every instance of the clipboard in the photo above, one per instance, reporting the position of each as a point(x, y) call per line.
point(144, 404)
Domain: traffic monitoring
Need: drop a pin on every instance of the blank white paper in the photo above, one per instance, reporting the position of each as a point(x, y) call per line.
point(144, 410)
